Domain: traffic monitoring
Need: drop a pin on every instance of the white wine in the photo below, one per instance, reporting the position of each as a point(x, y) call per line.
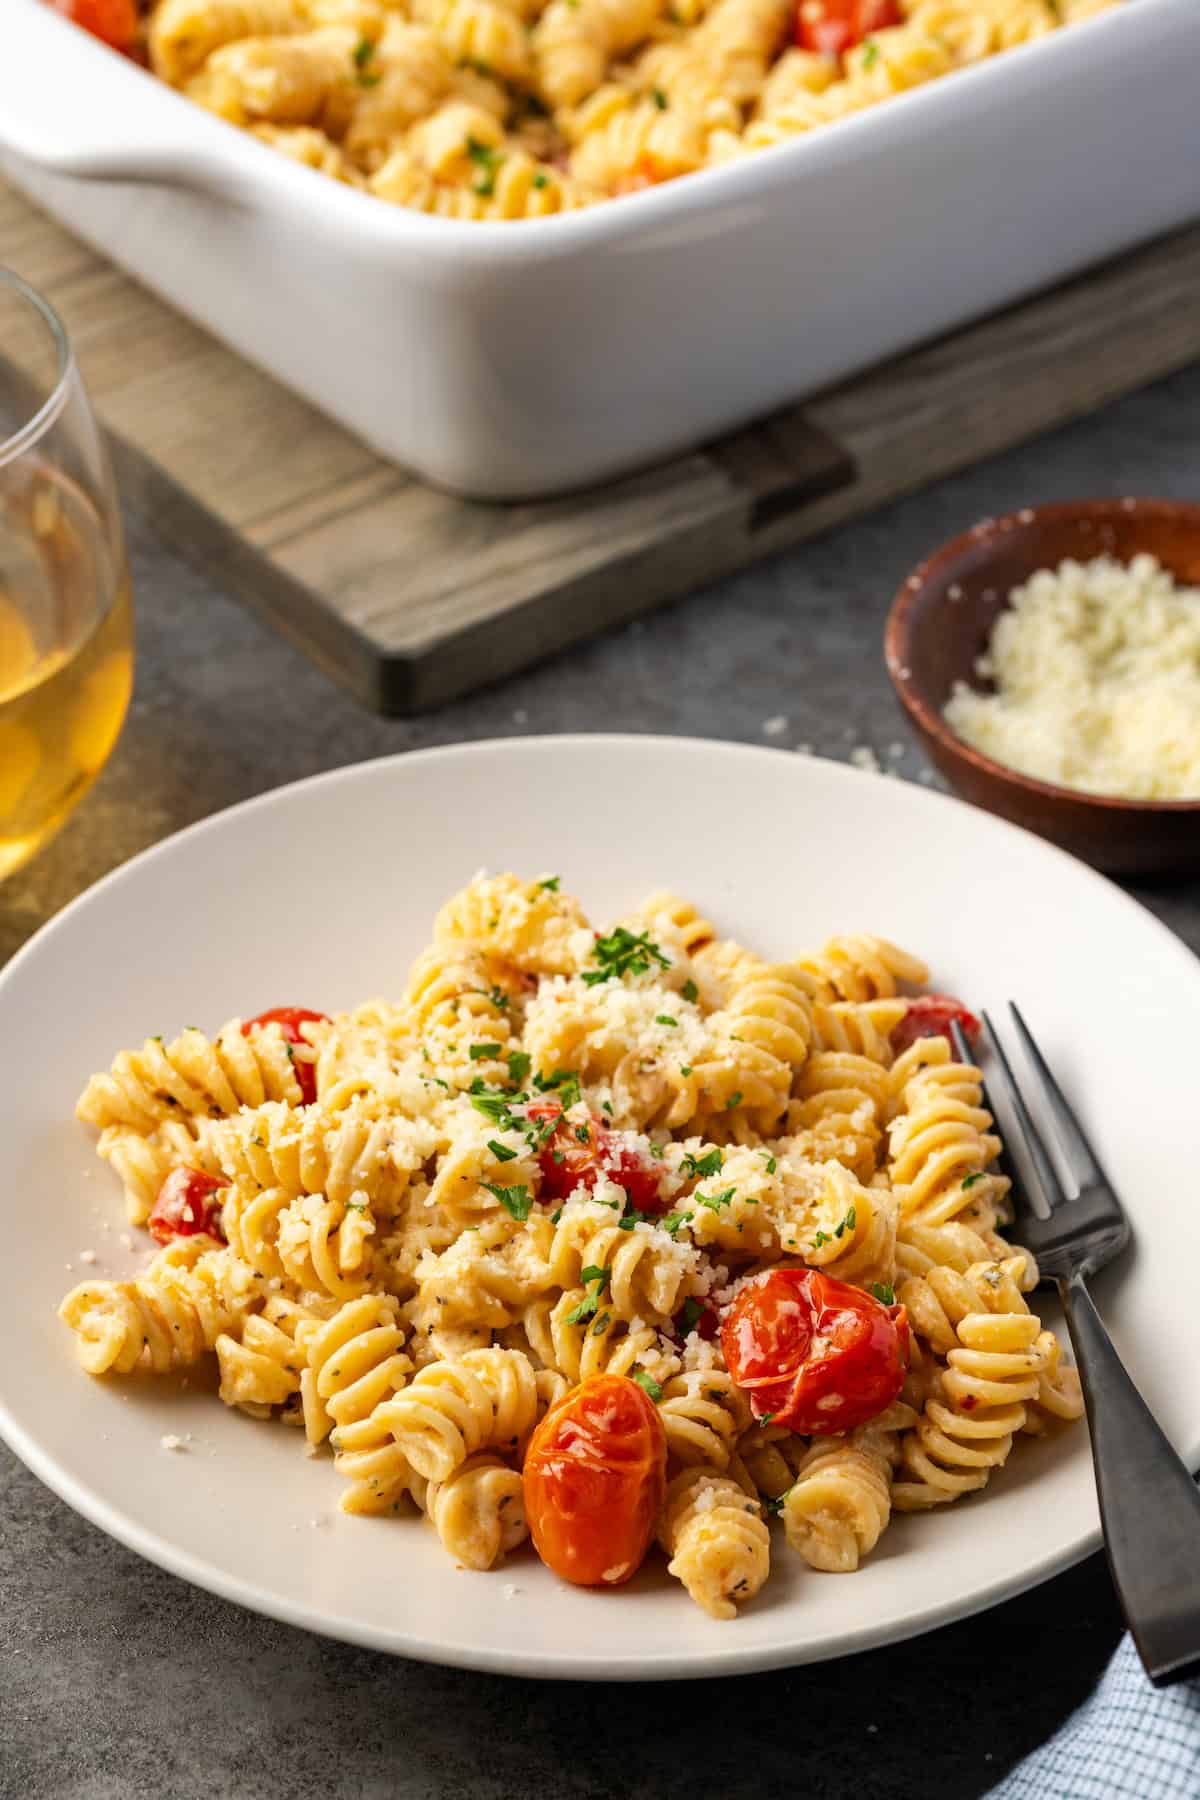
point(66, 656)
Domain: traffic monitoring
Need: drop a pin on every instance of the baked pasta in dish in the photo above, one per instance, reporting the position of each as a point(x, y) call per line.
point(604, 1238)
point(514, 109)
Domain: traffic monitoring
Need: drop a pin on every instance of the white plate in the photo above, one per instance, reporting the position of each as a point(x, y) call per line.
point(319, 895)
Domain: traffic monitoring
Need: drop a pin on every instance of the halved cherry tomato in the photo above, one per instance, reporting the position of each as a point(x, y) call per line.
point(831, 27)
point(289, 1019)
point(595, 1474)
point(576, 1155)
point(815, 1354)
point(186, 1205)
point(114, 22)
point(930, 1016)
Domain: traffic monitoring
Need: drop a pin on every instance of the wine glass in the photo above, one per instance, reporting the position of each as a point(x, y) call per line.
point(66, 617)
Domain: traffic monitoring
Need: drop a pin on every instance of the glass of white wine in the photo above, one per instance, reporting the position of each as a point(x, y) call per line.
point(66, 620)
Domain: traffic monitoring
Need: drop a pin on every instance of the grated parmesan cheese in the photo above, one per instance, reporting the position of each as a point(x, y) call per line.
point(1097, 674)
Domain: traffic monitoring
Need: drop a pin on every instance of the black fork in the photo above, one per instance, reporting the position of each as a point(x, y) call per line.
point(1149, 1504)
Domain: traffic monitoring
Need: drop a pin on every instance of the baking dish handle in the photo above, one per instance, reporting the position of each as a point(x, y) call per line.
point(109, 120)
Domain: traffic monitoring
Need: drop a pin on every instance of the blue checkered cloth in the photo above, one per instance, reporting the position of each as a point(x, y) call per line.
point(1130, 1741)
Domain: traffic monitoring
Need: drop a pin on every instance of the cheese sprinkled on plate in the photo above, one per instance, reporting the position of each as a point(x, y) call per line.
point(1097, 674)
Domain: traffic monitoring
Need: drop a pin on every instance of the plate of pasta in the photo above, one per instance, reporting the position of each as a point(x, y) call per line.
point(600, 1266)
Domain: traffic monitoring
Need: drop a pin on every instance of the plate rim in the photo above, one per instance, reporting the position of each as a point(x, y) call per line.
point(723, 1659)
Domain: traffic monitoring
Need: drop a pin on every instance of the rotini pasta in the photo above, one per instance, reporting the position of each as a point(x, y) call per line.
point(557, 104)
point(558, 1165)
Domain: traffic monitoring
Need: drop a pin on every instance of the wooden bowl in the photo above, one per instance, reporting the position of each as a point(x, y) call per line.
point(941, 621)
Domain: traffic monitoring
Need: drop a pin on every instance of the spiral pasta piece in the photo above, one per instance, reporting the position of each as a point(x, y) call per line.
point(528, 924)
point(840, 1503)
point(352, 1362)
point(712, 1529)
point(566, 1336)
point(194, 1290)
point(573, 43)
point(645, 1272)
point(703, 1413)
point(412, 75)
point(488, 1399)
point(478, 1511)
point(941, 1145)
point(300, 80)
point(193, 1076)
point(858, 1028)
point(978, 1403)
point(859, 967)
point(308, 1150)
point(771, 1456)
point(184, 33)
point(325, 1246)
point(262, 1363)
point(144, 1162)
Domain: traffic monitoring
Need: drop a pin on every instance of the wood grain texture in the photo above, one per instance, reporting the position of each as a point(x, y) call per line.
point(411, 596)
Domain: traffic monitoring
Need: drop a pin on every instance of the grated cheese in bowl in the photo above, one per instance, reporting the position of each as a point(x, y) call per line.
point(1097, 675)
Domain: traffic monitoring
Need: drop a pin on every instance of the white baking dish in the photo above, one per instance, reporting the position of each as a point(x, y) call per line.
point(511, 360)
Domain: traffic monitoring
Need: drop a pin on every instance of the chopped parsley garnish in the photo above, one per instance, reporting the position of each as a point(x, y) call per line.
point(621, 953)
point(595, 1280)
point(733, 1100)
point(702, 1166)
point(362, 56)
point(497, 996)
point(518, 1066)
point(487, 161)
point(540, 180)
point(686, 1069)
point(500, 1151)
point(715, 1202)
point(564, 1083)
point(514, 1200)
point(847, 1224)
point(550, 884)
point(557, 1156)
point(769, 1160)
point(673, 1221)
point(645, 1380)
point(690, 1313)
point(766, 1418)
point(493, 1104)
point(606, 1106)
point(822, 1238)
point(775, 1506)
point(870, 54)
point(602, 1324)
point(659, 98)
point(690, 991)
point(970, 1180)
point(884, 1293)
point(583, 1134)
point(664, 1019)
point(556, 1216)
point(483, 1052)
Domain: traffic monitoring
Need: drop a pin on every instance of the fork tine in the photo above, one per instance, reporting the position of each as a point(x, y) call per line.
point(1050, 1188)
point(1080, 1156)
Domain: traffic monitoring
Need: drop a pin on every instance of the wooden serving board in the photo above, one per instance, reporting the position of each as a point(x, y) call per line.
point(410, 596)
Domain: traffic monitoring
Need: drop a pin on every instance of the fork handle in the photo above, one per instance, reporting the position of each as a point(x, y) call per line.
point(1149, 1504)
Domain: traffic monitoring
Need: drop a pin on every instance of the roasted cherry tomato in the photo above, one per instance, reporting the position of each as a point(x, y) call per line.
point(815, 1354)
point(290, 1019)
point(595, 1474)
point(931, 1016)
point(831, 27)
point(186, 1205)
point(577, 1154)
point(114, 22)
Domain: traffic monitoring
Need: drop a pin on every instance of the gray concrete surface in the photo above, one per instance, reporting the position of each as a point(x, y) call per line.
point(117, 1680)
